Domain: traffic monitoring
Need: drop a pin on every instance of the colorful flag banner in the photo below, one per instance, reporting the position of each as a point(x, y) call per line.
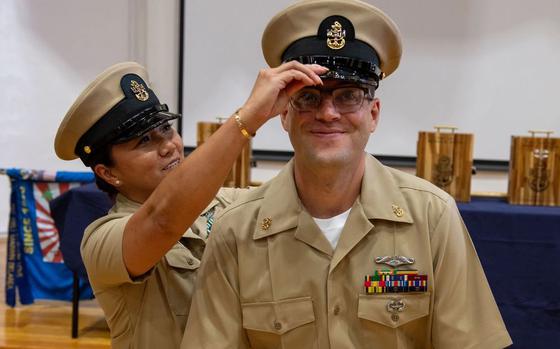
point(34, 267)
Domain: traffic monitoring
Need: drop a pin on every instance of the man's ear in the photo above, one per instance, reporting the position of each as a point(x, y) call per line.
point(284, 119)
point(106, 174)
point(375, 112)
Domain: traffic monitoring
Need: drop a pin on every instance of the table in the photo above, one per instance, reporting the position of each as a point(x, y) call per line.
point(519, 248)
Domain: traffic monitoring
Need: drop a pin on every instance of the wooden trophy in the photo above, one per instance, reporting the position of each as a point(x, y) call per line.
point(240, 174)
point(534, 170)
point(445, 159)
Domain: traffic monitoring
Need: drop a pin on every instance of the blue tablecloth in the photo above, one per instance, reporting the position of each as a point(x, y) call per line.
point(519, 248)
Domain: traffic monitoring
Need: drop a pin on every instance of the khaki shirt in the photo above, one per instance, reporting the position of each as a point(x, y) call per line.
point(270, 278)
point(149, 311)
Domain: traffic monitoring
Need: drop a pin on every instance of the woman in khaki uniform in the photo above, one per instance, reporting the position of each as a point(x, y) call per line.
point(142, 257)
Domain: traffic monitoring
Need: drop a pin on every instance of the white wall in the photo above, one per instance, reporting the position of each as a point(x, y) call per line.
point(50, 50)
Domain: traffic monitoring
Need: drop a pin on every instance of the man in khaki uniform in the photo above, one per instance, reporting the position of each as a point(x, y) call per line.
point(339, 251)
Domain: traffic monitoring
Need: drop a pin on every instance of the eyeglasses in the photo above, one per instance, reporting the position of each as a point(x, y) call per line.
point(345, 99)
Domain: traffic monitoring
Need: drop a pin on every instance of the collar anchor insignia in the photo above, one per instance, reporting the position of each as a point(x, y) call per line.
point(398, 211)
point(266, 223)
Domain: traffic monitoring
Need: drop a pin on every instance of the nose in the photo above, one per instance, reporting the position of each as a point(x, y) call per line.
point(327, 111)
point(167, 147)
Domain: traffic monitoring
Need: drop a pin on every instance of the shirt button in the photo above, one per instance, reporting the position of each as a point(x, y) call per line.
point(190, 261)
point(277, 326)
point(336, 310)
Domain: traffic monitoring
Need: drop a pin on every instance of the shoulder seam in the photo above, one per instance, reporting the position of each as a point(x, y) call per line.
point(444, 198)
point(239, 203)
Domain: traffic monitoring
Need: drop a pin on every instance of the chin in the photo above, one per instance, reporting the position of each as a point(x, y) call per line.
point(330, 158)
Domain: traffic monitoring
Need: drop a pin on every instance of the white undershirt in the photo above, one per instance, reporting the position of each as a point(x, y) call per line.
point(332, 227)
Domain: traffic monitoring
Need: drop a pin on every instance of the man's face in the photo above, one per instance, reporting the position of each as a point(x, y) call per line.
point(330, 134)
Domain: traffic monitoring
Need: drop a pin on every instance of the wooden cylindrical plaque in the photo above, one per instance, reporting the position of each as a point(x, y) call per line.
point(240, 174)
point(445, 159)
point(534, 170)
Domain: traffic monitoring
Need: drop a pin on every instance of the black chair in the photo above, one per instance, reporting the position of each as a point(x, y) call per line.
point(72, 212)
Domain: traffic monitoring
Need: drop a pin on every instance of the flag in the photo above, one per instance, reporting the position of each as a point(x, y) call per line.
point(34, 267)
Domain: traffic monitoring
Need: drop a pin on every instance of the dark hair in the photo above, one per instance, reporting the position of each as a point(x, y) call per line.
point(103, 157)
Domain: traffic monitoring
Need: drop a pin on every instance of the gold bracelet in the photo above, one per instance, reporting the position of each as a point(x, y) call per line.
point(241, 125)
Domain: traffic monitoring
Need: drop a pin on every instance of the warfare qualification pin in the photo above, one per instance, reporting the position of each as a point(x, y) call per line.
point(139, 91)
point(394, 261)
point(335, 36)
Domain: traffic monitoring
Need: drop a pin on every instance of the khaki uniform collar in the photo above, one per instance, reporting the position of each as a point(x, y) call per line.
point(125, 205)
point(280, 206)
point(380, 198)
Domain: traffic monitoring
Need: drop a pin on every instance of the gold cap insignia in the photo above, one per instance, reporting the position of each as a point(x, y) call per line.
point(399, 212)
point(335, 36)
point(266, 223)
point(139, 91)
point(87, 149)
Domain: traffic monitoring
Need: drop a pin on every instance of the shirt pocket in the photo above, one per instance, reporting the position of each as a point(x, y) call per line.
point(398, 320)
point(180, 273)
point(287, 323)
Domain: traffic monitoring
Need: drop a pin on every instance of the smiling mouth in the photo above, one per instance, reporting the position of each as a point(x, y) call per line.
point(327, 133)
point(172, 164)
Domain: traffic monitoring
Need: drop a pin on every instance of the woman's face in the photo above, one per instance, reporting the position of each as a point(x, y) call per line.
point(141, 163)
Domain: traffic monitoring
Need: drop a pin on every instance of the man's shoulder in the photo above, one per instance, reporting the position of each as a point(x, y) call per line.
point(413, 185)
point(247, 200)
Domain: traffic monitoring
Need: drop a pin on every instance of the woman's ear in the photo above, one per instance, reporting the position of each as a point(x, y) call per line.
point(107, 175)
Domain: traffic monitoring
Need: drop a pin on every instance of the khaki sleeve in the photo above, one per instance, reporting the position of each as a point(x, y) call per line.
point(465, 312)
point(101, 251)
point(215, 319)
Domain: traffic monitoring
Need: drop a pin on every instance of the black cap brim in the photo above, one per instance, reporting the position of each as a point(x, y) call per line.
point(144, 124)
